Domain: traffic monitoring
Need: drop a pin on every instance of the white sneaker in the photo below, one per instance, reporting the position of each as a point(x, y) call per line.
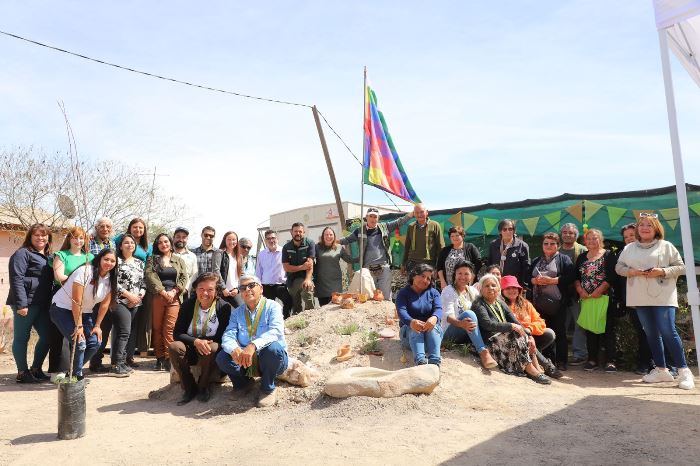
point(685, 379)
point(657, 375)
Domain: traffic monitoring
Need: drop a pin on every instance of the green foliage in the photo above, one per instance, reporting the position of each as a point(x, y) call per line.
point(304, 340)
point(370, 342)
point(297, 324)
point(348, 329)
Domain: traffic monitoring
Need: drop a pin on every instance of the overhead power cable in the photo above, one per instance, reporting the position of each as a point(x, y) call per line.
point(153, 75)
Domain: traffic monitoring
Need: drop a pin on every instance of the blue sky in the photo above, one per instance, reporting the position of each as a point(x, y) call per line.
point(486, 101)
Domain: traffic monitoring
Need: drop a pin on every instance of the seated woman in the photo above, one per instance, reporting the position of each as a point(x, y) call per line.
point(459, 324)
point(198, 331)
point(527, 315)
point(88, 285)
point(508, 341)
point(420, 309)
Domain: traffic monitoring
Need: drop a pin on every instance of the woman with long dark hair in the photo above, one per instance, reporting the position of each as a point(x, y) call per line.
point(72, 306)
point(166, 280)
point(231, 268)
point(30, 292)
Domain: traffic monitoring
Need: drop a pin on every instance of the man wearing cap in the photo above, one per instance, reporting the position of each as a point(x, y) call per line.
point(269, 270)
point(180, 242)
point(247, 261)
point(424, 241)
point(208, 257)
point(253, 343)
point(376, 239)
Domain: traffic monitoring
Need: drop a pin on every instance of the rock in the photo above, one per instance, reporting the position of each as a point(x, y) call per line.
point(378, 383)
point(298, 373)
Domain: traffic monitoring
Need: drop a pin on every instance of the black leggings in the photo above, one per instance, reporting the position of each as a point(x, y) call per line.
point(607, 339)
point(119, 322)
point(281, 292)
point(559, 352)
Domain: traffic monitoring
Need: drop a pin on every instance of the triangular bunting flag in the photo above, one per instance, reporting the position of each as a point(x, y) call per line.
point(695, 208)
point(554, 218)
point(456, 219)
point(576, 211)
point(591, 209)
point(530, 224)
point(615, 214)
point(669, 214)
point(489, 225)
point(672, 223)
point(468, 220)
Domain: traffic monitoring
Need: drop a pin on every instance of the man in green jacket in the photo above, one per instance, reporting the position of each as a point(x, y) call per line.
point(424, 240)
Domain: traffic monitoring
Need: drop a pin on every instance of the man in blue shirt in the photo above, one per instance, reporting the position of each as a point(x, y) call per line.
point(253, 343)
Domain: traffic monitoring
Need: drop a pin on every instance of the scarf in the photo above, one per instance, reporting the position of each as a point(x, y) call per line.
point(252, 326)
point(195, 319)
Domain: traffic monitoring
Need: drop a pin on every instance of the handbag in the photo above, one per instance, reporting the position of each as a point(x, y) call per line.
point(594, 312)
point(546, 305)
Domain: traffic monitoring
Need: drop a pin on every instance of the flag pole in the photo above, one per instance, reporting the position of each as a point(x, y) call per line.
point(362, 189)
point(681, 194)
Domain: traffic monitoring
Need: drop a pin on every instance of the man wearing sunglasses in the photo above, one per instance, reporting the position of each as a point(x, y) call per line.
point(253, 343)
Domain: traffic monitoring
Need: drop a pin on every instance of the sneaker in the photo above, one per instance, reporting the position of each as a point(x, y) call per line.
point(25, 377)
point(562, 366)
point(159, 364)
point(590, 366)
point(131, 363)
point(610, 368)
point(540, 379)
point(120, 370)
point(39, 374)
point(577, 361)
point(657, 375)
point(686, 380)
point(267, 399)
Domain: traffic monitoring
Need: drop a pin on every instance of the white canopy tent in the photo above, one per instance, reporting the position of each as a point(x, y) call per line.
point(678, 24)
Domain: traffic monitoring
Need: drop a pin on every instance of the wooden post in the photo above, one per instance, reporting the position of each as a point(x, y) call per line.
point(331, 173)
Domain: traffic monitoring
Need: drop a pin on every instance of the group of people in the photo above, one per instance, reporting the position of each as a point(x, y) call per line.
point(217, 307)
point(517, 315)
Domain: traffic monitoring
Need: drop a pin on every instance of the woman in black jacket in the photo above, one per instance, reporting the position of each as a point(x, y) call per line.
point(510, 252)
point(30, 297)
point(458, 251)
point(198, 331)
point(551, 276)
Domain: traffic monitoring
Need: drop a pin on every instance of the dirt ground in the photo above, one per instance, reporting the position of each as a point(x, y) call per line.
point(472, 417)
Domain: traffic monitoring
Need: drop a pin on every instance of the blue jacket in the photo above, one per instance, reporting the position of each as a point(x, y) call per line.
point(30, 279)
point(411, 305)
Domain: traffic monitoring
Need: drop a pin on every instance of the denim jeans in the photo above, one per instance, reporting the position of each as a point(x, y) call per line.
point(38, 318)
point(460, 336)
point(272, 361)
point(659, 324)
point(423, 345)
point(63, 318)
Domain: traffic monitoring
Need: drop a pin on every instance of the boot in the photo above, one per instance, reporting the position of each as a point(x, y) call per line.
point(487, 361)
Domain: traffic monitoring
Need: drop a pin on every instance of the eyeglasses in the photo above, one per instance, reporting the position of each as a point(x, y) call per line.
point(249, 286)
point(207, 235)
point(245, 247)
point(648, 214)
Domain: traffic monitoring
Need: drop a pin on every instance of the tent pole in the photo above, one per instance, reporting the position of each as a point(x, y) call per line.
point(693, 295)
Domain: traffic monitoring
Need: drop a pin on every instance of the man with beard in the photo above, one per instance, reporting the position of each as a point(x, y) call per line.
point(208, 257)
point(298, 261)
point(180, 241)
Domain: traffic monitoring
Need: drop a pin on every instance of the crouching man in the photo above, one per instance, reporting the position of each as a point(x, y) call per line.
point(198, 331)
point(253, 343)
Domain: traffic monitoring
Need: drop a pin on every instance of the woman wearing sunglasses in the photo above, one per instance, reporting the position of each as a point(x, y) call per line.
point(509, 252)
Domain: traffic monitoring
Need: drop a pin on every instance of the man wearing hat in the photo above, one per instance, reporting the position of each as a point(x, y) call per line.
point(180, 242)
point(377, 257)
